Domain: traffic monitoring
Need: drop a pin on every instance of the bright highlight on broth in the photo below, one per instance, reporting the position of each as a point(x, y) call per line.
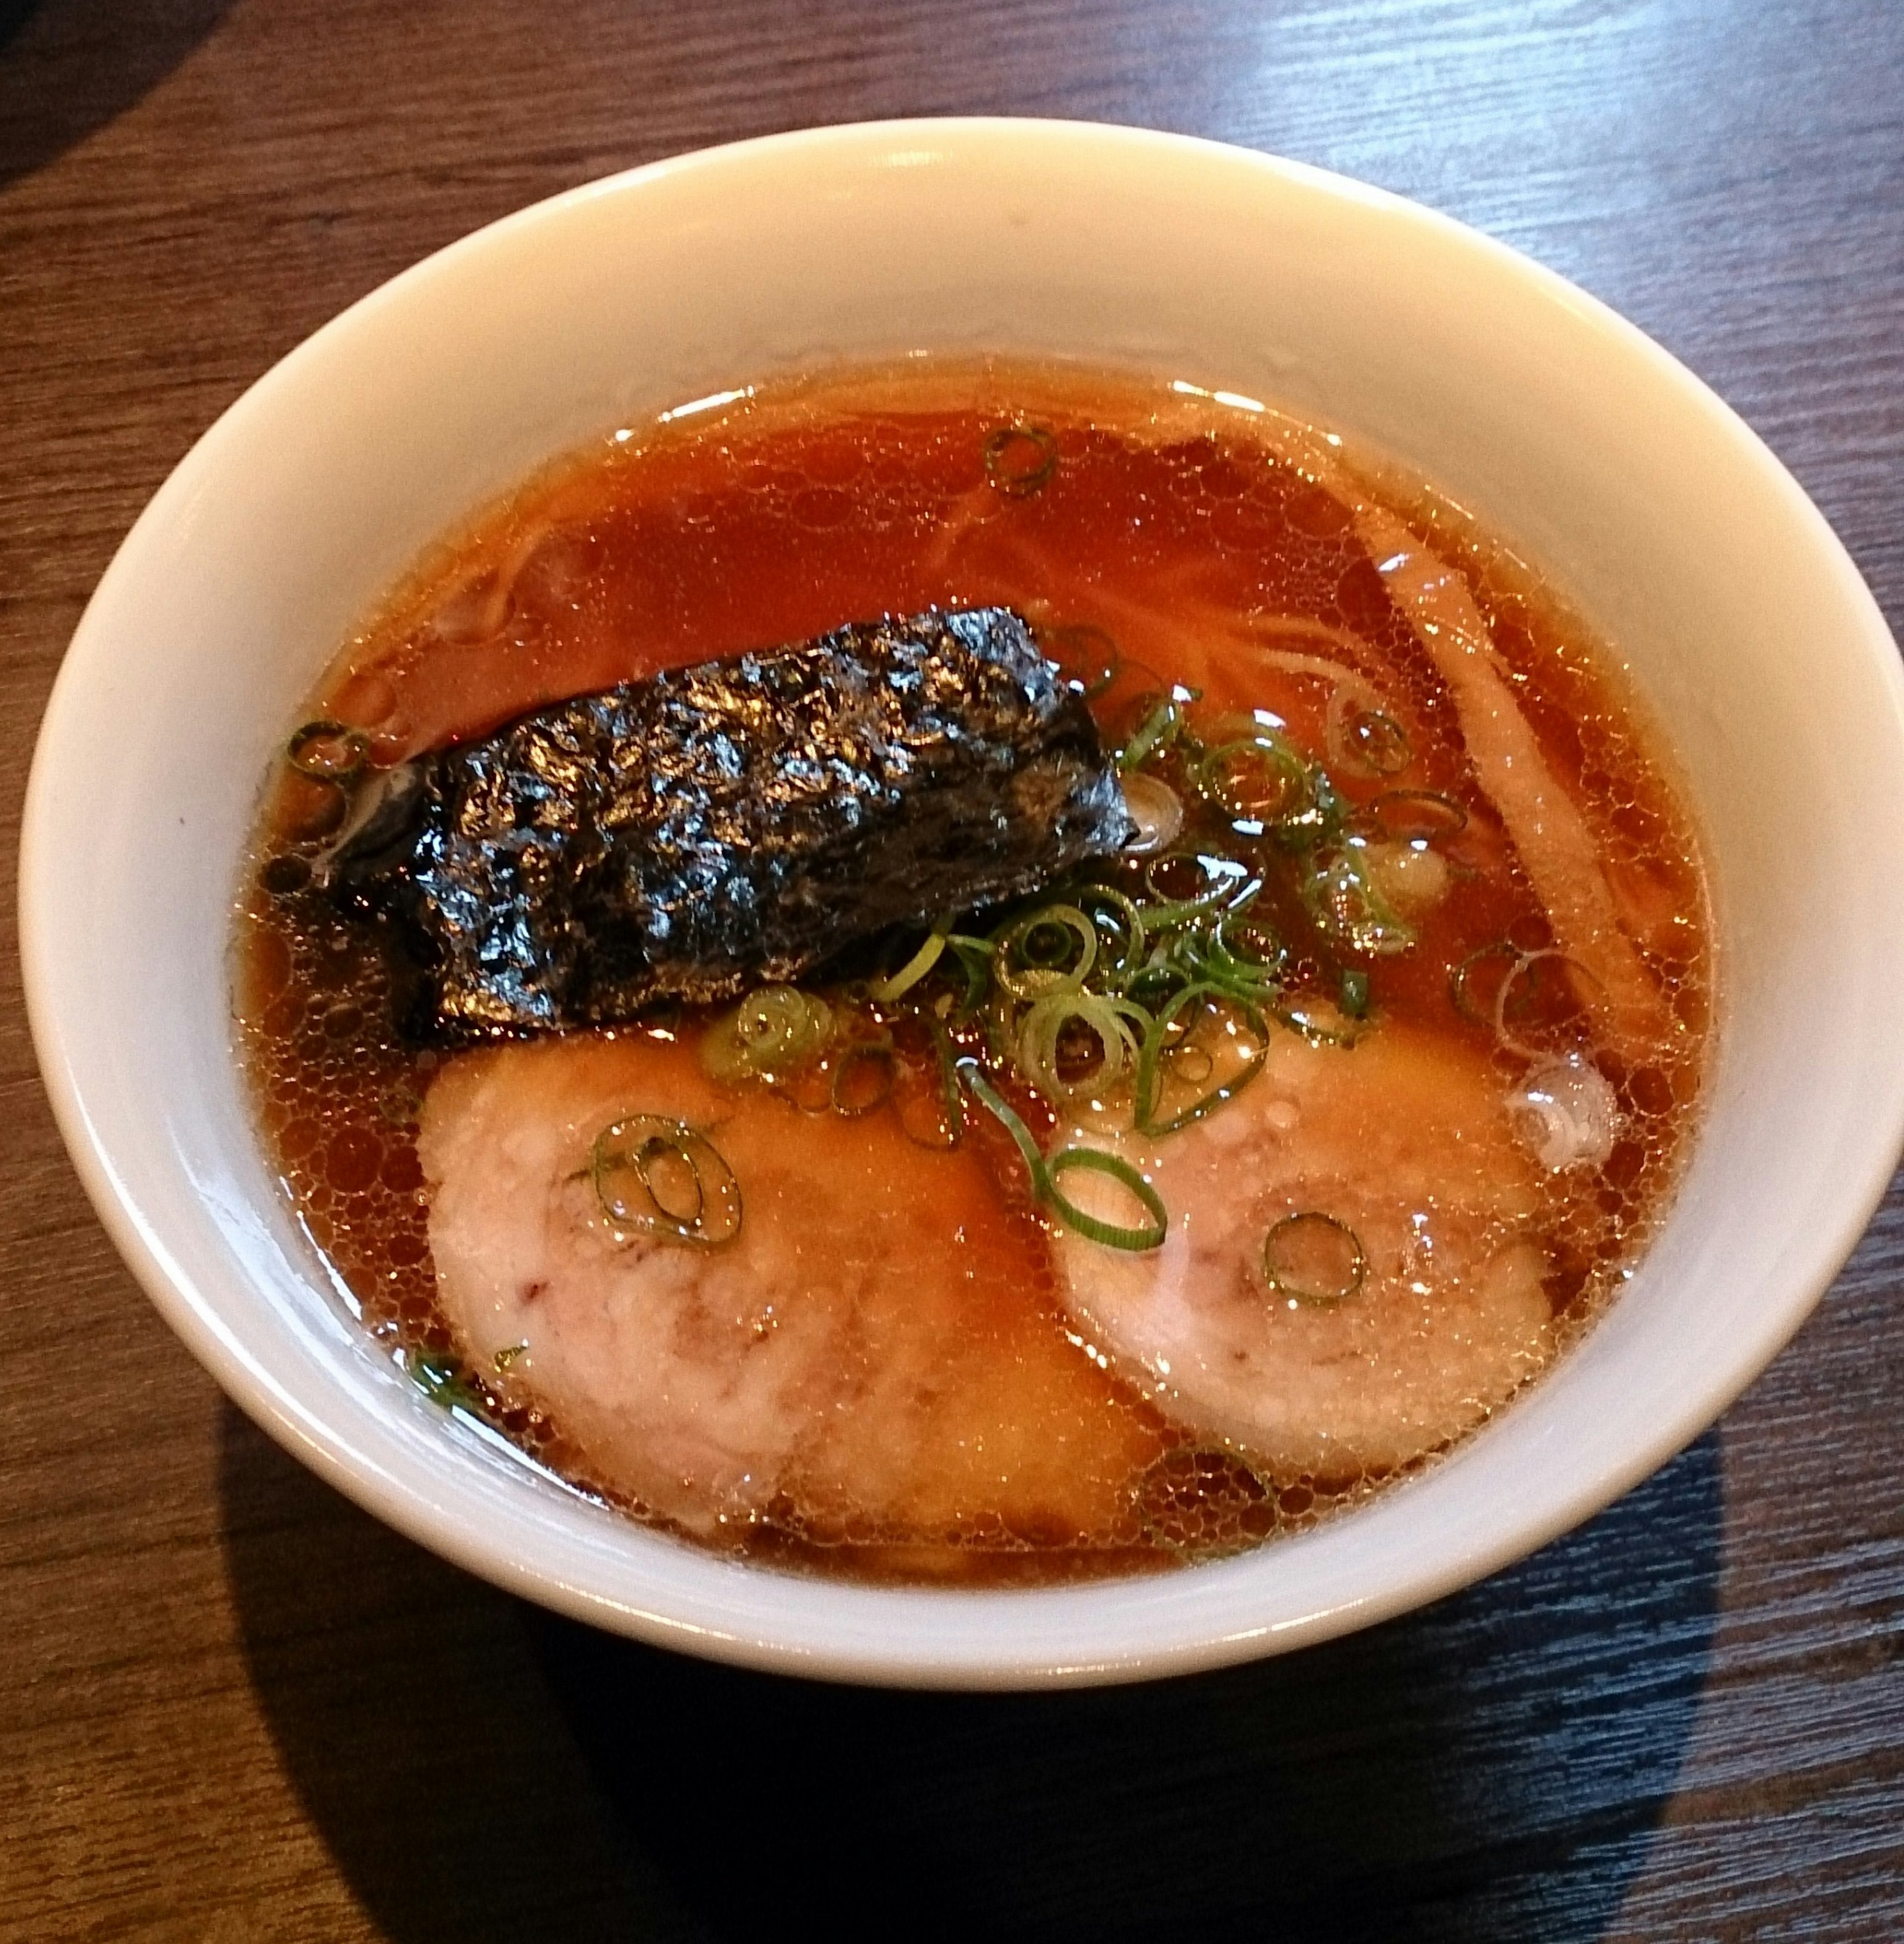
point(976, 975)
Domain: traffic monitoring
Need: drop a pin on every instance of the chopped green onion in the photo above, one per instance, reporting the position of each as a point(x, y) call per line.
point(858, 1055)
point(1043, 1028)
point(974, 956)
point(327, 752)
point(1044, 1174)
point(779, 1024)
point(1049, 950)
point(989, 1097)
point(1344, 899)
point(1259, 776)
point(1166, 1033)
point(1226, 883)
point(1161, 973)
point(1374, 740)
point(1093, 1228)
point(440, 1377)
point(951, 1098)
point(1019, 460)
point(915, 968)
point(1159, 727)
point(658, 1177)
point(775, 1031)
point(1198, 944)
point(507, 1355)
point(1260, 779)
point(1319, 1022)
point(1475, 1003)
point(1544, 996)
point(1313, 1259)
point(1354, 992)
point(1119, 924)
point(1412, 816)
point(1087, 657)
point(1224, 954)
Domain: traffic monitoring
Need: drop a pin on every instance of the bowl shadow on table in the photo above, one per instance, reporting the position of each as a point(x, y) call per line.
point(1492, 1767)
point(68, 66)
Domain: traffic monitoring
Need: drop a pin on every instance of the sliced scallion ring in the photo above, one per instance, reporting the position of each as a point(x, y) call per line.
point(847, 1096)
point(1121, 928)
point(1412, 816)
point(1313, 1260)
point(1242, 955)
point(1343, 898)
point(1044, 1174)
point(915, 968)
point(1321, 1022)
point(1051, 949)
point(1366, 737)
point(1117, 1025)
point(951, 1101)
point(1087, 657)
point(1166, 1032)
point(1542, 1008)
point(1157, 728)
point(660, 1178)
point(1260, 777)
point(989, 1097)
point(1468, 992)
point(974, 956)
point(1225, 885)
point(780, 1023)
point(1093, 1228)
point(327, 752)
point(1020, 459)
point(772, 1032)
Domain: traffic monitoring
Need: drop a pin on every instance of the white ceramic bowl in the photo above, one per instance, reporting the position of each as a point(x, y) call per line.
point(1666, 519)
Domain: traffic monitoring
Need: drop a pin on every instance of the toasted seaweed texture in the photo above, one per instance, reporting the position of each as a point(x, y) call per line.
point(715, 827)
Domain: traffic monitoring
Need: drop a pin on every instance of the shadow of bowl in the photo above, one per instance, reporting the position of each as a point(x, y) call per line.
point(67, 67)
point(1490, 1768)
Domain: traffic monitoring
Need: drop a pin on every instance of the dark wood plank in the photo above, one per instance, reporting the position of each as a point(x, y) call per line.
point(231, 1708)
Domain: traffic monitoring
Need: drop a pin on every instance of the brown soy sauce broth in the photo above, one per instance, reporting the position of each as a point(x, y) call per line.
point(1154, 543)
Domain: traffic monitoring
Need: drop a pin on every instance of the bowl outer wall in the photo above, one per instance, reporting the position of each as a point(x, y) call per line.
point(1747, 630)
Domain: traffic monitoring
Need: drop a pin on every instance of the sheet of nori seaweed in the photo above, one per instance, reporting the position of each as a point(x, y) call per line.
point(713, 827)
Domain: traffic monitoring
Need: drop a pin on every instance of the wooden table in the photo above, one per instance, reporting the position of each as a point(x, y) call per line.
point(233, 1708)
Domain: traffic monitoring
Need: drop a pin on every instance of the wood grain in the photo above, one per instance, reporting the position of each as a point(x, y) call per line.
point(232, 1709)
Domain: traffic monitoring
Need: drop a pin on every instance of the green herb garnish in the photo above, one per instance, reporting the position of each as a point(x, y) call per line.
point(440, 1377)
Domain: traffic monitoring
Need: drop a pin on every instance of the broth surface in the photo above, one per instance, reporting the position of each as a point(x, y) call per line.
point(1479, 1073)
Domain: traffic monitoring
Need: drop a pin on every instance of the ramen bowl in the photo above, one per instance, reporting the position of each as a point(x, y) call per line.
point(1749, 637)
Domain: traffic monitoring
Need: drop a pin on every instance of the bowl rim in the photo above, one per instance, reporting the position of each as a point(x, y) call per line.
point(901, 1659)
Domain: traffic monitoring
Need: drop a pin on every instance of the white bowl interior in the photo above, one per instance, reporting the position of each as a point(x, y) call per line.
point(1745, 626)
